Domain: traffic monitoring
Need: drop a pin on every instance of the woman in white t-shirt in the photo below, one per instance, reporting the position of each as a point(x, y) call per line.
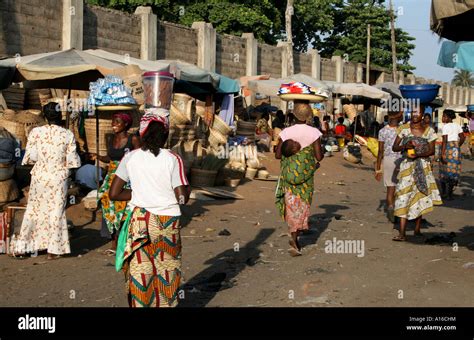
point(152, 255)
point(450, 166)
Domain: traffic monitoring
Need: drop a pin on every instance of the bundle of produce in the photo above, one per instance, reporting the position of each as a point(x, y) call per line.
point(110, 91)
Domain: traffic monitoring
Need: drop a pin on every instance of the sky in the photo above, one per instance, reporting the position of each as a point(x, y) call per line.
point(414, 17)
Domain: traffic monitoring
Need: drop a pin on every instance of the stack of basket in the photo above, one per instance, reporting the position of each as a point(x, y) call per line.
point(14, 97)
point(19, 124)
point(8, 188)
point(191, 152)
point(219, 132)
point(246, 129)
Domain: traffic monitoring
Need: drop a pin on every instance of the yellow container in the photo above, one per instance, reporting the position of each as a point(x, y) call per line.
point(341, 142)
point(411, 152)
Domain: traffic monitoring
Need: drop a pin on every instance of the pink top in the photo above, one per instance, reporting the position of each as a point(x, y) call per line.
point(302, 133)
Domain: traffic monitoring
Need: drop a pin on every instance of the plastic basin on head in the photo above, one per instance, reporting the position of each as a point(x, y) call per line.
point(424, 92)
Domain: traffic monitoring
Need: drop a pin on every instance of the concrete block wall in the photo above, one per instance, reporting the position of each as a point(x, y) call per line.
point(231, 55)
point(302, 63)
point(269, 60)
point(350, 73)
point(30, 26)
point(328, 69)
point(111, 30)
point(176, 42)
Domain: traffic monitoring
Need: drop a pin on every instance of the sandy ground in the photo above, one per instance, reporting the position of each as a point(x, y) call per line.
point(251, 267)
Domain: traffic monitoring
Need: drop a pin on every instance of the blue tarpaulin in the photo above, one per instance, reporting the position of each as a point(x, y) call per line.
point(458, 55)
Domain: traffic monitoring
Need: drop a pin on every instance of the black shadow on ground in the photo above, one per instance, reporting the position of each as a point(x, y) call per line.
point(224, 267)
point(463, 238)
point(318, 223)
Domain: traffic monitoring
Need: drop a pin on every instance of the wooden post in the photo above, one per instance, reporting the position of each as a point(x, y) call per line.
point(394, 49)
point(289, 36)
point(367, 69)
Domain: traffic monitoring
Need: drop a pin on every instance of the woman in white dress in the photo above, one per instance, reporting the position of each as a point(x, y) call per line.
point(52, 150)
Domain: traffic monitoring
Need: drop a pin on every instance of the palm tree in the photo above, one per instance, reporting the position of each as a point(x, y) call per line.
point(463, 78)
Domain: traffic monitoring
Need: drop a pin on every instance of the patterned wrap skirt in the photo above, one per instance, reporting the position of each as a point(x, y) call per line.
point(152, 257)
point(112, 211)
point(451, 171)
point(410, 202)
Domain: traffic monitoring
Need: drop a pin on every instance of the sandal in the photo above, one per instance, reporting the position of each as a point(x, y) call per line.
point(110, 252)
point(52, 257)
point(399, 238)
point(294, 252)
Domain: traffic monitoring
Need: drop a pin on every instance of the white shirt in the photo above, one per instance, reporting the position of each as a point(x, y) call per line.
point(452, 130)
point(153, 180)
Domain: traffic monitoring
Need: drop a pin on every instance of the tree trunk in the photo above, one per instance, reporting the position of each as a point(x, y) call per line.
point(289, 36)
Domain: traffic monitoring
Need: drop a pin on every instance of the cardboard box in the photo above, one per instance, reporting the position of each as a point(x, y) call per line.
point(132, 78)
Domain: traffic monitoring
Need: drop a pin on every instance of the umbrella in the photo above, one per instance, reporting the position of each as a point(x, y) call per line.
point(452, 19)
point(270, 87)
point(61, 69)
point(360, 89)
point(458, 55)
point(391, 88)
point(190, 78)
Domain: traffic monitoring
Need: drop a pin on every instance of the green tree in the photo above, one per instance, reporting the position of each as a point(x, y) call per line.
point(463, 78)
point(349, 37)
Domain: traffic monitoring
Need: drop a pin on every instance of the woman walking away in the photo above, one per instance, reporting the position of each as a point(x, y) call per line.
point(121, 143)
point(450, 166)
point(152, 256)
point(294, 192)
point(388, 161)
point(52, 150)
point(416, 192)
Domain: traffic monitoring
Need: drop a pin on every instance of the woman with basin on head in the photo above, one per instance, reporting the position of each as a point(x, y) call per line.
point(416, 192)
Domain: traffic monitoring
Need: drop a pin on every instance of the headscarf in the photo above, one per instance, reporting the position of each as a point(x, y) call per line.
point(154, 115)
point(125, 117)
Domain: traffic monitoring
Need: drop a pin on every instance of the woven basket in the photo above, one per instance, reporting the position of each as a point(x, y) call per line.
point(250, 173)
point(220, 126)
point(228, 173)
point(8, 191)
point(203, 178)
point(177, 117)
point(105, 129)
point(185, 104)
point(216, 138)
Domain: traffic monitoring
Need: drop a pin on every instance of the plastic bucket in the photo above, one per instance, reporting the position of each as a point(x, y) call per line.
point(158, 89)
point(341, 142)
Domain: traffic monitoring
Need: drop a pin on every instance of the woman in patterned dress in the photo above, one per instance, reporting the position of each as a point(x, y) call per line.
point(52, 150)
point(121, 143)
point(152, 253)
point(295, 187)
point(416, 192)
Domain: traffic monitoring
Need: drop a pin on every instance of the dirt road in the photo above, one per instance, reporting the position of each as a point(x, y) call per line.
point(251, 266)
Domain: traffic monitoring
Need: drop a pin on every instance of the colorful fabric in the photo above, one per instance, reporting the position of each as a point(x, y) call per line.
point(450, 172)
point(153, 259)
point(296, 177)
point(53, 151)
point(300, 88)
point(154, 115)
point(112, 211)
point(296, 212)
point(421, 146)
point(410, 202)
